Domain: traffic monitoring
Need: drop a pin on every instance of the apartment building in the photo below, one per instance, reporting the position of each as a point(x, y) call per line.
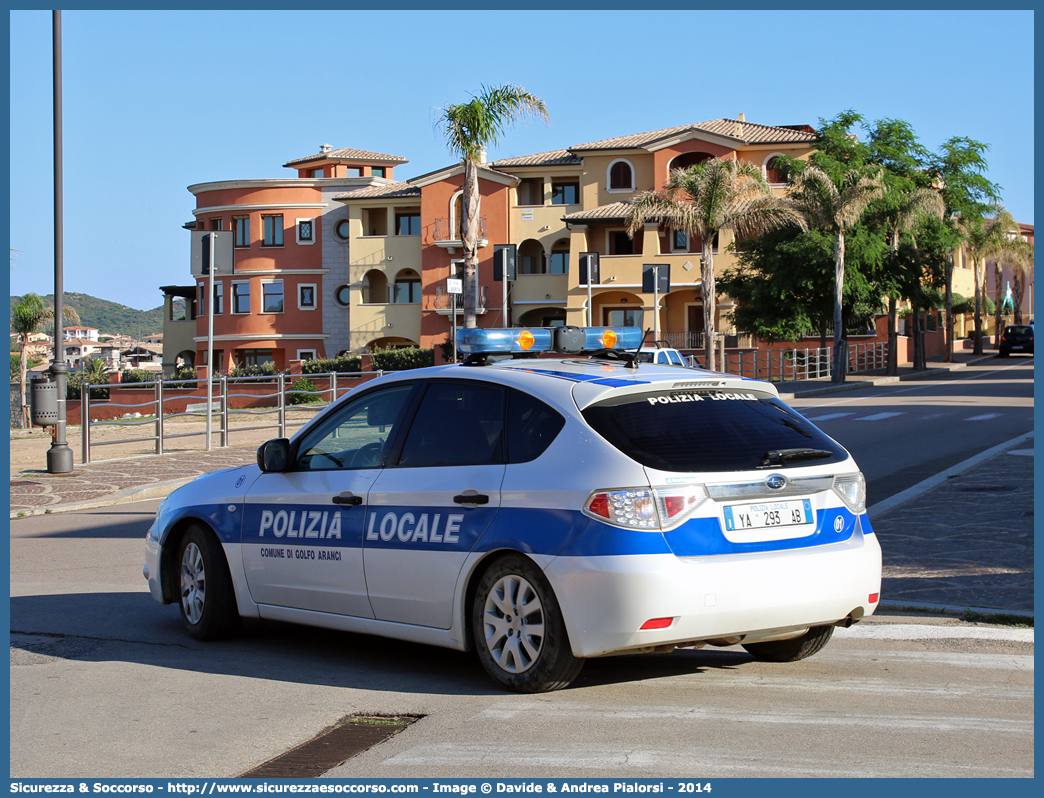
point(290, 252)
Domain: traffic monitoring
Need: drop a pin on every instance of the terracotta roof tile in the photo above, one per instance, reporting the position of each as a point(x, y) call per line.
point(388, 191)
point(603, 213)
point(745, 132)
point(550, 158)
point(346, 153)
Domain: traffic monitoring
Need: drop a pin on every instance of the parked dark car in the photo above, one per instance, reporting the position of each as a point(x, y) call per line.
point(1016, 338)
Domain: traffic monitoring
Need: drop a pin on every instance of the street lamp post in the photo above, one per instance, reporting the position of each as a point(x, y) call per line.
point(59, 456)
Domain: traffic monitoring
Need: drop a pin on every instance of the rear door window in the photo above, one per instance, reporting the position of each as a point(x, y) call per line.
point(727, 430)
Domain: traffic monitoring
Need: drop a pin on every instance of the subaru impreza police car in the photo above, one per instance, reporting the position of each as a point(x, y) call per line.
point(537, 511)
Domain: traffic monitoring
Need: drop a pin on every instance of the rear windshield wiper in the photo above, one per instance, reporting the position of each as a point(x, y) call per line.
point(783, 456)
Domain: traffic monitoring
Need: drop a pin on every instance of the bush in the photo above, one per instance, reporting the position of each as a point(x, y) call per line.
point(264, 370)
point(401, 359)
point(77, 378)
point(139, 375)
point(345, 364)
point(303, 384)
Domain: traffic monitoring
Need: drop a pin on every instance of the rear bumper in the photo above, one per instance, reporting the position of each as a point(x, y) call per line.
point(605, 600)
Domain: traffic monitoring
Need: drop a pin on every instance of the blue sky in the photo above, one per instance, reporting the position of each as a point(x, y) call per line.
point(155, 101)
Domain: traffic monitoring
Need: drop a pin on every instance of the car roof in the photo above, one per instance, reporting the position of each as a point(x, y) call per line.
point(589, 380)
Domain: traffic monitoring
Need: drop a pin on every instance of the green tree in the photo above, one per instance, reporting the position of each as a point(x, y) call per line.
point(701, 200)
point(988, 238)
point(28, 316)
point(958, 169)
point(95, 370)
point(469, 128)
point(836, 207)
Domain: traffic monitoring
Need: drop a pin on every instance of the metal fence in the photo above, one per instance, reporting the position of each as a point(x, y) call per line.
point(155, 412)
point(793, 365)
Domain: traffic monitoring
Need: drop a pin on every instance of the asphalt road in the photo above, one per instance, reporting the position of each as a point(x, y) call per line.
point(105, 683)
point(903, 434)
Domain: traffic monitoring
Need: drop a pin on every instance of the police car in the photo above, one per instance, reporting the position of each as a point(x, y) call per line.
point(537, 511)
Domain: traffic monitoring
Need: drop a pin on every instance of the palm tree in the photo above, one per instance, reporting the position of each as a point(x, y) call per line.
point(28, 316)
point(468, 129)
point(1022, 267)
point(700, 200)
point(96, 371)
point(1018, 260)
point(909, 210)
point(836, 209)
point(988, 238)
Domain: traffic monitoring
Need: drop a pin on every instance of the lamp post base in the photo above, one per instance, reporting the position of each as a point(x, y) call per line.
point(59, 459)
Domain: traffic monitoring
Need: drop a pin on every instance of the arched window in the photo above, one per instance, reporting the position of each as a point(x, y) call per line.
point(530, 257)
point(687, 159)
point(558, 262)
point(774, 171)
point(407, 287)
point(621, 176)
point(457, 215)
point(375, 291)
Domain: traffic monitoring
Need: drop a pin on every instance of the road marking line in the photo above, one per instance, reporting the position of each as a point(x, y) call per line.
point(829, 416)
point(879, 416)
point(984, 417)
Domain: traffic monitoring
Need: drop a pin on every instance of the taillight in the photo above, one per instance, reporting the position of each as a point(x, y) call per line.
point(645, 508)
point(852, 490)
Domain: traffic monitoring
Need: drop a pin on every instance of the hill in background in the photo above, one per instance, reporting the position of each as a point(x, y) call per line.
point(110, 317)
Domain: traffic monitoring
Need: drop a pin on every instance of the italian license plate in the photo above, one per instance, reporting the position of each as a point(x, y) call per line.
point(766, 515)
point(1020, 346)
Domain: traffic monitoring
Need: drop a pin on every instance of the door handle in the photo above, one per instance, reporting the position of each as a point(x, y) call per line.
point(347, 497)
point(471, 497)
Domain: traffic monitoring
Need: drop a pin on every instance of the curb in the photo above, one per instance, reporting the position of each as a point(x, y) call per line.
point(887, 505)
point(851, 386)
point(156, 490)
point(921, 605)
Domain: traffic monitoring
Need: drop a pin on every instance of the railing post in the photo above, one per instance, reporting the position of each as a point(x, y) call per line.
point(85, 423)
point(333, 387)
point(159, 415)
point(281, 387)
point(223, 383)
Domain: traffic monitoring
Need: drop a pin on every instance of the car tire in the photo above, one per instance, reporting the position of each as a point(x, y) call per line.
point(205, 594)
point(794, 649)
point(518, 630)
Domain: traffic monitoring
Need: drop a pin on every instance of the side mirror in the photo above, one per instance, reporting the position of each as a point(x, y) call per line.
point(274, 456)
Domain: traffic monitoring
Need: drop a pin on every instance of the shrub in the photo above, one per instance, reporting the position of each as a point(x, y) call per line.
point(303, 384)
point(139, 375)
point(401, 359)
point(77, 378)
point(264, 370)
point(345, 364)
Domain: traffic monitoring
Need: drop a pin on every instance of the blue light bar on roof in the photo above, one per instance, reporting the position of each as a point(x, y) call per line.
point(613, 337)
point(504, 339)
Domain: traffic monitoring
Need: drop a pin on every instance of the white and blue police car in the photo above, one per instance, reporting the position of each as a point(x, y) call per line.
point(538, 511)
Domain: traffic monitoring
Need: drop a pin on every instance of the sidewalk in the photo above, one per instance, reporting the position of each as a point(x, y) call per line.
point(966, 542)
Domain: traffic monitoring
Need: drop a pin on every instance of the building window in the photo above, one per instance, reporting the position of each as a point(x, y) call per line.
point(620, 243)
point(407, 288)
point(305, 231)
point(306, 296)
point(252, 357)
point(306, 354)
point(773, 171)
point(316, 173)
point(343, 295)
point(558, 260)
point(272, 230)
point(201, 296)
point(272, 296)
point(565, 192)
point(219, 291)
point(240, 297)
point(623, 317)
point(679, 241)
point(241, 226)
point(215, 223)
point(343, 230)
point(378, 171)
point(353, 171)
point(407, 224)
point(621, 176)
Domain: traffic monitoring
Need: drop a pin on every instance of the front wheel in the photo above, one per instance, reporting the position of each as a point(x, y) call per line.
point(206, 596)
point(518, 629)
point(794, 649)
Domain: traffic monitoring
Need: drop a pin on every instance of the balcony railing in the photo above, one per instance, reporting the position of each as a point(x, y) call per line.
point(444, 301)
point(445, 231)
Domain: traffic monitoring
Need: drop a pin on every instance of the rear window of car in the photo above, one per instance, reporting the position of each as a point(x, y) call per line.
point(1020, 330)
point(687, 431)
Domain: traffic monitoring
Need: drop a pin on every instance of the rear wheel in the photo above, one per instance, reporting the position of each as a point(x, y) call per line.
point(518, 629)
point(794, 649)
point(205, 593)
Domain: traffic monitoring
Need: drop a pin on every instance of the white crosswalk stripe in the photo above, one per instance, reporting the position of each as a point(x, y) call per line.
point(984, 417)
point(878, 416)
point(828, 416)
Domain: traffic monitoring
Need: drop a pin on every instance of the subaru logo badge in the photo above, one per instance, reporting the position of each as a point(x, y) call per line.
point(776, 482)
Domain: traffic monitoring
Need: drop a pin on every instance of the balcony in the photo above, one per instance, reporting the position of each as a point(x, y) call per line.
point(446, 234)
point(442, 303)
